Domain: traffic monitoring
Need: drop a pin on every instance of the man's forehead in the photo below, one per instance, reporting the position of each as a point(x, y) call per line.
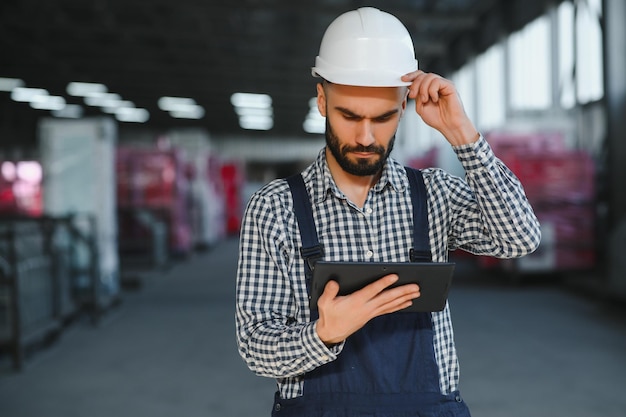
point(360, 91)
point(365, 101)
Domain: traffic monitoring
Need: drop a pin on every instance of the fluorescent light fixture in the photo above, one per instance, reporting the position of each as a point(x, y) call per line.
point(70, 111)
point(81, 89)
point(25, 94)
point(176, 103)
point(48, 103)
point(102, 99)
point(251, 100)
point(314, 121)
point(254, 110)
point(181, 107)
point(126, 114)
point(256, 122)
point(313, 126)
point(197, 112)
point(8, 84)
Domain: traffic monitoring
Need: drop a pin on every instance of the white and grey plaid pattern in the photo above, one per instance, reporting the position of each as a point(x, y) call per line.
point(486, 214)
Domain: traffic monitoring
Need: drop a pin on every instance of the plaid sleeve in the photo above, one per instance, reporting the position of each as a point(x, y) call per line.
point(274, 335)
point(492, 215)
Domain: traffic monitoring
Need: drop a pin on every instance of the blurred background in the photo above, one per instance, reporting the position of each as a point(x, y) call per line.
point(132, 134)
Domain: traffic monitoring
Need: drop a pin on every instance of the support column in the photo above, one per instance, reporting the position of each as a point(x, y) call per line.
point(614, 16)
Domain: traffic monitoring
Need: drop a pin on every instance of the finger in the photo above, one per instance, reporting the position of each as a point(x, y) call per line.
point(330, 292)
point(416, 79)
point(433, 90)
point(390, 303)
point(407, 291)
point(372, 290)
point(428, 88)
point(393, 299)
point(409, 77)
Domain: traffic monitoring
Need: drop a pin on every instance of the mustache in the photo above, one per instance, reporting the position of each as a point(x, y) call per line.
point(360, 148)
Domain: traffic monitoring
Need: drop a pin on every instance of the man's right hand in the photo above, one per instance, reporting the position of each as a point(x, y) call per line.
point(341, 316)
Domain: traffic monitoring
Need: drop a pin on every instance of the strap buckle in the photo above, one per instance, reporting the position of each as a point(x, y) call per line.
point(312, 254)
point(420, 255)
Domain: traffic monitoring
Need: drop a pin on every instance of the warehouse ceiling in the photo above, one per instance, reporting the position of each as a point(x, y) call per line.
point(207, 50)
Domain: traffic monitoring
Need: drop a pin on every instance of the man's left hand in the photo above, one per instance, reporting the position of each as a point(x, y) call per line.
point(439, 105)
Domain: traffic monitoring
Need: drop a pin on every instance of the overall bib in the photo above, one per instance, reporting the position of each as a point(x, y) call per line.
point(387, 368)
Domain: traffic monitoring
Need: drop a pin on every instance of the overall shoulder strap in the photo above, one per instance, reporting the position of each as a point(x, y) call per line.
point(311, 249)
point(419, 198)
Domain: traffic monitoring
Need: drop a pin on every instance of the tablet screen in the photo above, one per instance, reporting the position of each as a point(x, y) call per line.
point(433, 278)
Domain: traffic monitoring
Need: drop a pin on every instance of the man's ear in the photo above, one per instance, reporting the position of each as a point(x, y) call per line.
point(321, 99)
point(404, 101)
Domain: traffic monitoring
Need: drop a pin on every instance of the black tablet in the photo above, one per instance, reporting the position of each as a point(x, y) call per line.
point(433, 278)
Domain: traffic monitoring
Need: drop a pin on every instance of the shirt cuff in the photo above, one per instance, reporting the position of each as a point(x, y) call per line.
point(475, 155)
point(318, 352)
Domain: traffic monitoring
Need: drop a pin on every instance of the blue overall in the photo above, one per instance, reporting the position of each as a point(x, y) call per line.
point(388, 367)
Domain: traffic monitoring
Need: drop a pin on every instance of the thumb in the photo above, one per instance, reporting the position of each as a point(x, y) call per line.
point(330, 291)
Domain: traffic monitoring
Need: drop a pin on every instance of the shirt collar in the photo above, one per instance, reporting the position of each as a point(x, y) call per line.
point(393, 176)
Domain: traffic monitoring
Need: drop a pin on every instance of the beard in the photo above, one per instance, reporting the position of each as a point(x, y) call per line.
point(362, 167)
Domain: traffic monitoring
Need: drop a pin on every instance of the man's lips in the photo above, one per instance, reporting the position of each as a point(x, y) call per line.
point(364, 154)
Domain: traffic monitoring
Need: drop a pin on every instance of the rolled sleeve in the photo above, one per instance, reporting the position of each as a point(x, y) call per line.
point(319, 353)
point(274, 333)
point(475, 155)
point(499, 221)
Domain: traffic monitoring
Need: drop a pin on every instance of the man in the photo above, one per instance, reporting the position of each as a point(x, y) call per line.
point(357, 358)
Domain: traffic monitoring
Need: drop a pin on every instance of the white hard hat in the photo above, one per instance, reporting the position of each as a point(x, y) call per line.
point(366, 47)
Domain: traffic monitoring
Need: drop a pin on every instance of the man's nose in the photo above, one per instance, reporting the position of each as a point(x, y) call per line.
point(365, 133)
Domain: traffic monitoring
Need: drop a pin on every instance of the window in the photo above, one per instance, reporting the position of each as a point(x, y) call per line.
point(491, 102)
point(565, 23)
point(589, 67)
point(529, 56)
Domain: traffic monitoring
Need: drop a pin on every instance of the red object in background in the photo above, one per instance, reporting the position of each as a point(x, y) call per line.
point(559, 184)
point(148, 177)
point(554, 177)
point(427, 160)
point(232, 179)
point(156, 180)
point(526, 142)
point(20, 188)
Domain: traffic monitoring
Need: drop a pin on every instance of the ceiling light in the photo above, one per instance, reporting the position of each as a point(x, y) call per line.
point(25, 94)
point(102, 99)
point(8, 84)
point(126, 114)
point(312, 126)
point(181, 107)
point(254, 110)
point(197, 112)
point(82, 89)
point(256, 122)
point(47, 102)
point(176, 103)
point(314, 121)
point(251, 100)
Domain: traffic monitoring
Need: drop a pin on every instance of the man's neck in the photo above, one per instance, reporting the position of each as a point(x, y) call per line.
point(355, 187)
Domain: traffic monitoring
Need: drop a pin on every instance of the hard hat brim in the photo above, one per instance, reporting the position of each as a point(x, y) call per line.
point(364, 78)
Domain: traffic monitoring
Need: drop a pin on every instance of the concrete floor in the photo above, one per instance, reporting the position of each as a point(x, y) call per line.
point(169, 350)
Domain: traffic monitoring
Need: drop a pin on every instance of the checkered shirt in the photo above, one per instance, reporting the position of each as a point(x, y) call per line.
point(486, 214)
